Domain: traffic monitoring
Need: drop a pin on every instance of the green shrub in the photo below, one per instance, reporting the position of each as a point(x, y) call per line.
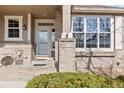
point(73, 80)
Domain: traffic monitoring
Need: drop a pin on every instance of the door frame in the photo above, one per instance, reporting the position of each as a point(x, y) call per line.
point(49, 29)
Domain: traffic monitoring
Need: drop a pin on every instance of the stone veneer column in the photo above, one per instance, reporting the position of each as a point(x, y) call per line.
point(66, 44)
point(66, 18)
point(58, 27)
point(67, 55)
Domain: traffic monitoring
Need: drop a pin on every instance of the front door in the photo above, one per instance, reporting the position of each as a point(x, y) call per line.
point(43, 43)
point(44, 37)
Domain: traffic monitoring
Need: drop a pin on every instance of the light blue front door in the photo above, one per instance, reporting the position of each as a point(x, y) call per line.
point(43, 43)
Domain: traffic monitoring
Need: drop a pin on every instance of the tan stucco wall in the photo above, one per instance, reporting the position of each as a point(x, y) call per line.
point(2, 24)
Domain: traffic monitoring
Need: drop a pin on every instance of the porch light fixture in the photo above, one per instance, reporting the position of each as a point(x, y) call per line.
point(24, 27)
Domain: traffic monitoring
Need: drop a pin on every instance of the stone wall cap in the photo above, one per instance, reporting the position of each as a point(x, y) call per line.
point(67, 40)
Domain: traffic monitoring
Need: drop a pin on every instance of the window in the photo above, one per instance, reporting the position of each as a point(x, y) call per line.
point(105, 34)
point(94, 32)
point(13, 28)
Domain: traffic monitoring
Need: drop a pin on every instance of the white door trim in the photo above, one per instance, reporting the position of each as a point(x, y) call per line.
point(49, 28)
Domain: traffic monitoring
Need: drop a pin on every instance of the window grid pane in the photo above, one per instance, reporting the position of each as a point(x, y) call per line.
point(13, 33)
point(105, 24)
point(78, 24)
point(79, 39)
point(13, 28)
point(91, 40)
point(91, 24)
point(104, 40)
point(13, 23)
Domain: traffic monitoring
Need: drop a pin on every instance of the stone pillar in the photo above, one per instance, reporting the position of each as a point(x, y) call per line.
point(66, 18)
point(67, 55)
point(66, 44)
point(58, 27)
point(58, 24)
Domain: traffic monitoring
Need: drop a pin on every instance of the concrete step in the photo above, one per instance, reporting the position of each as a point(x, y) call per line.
point(43, 62)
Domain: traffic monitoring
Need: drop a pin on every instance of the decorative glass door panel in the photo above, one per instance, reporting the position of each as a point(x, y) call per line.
point(42, 45)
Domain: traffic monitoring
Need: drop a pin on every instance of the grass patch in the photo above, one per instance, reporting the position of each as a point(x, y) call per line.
point(73, 80)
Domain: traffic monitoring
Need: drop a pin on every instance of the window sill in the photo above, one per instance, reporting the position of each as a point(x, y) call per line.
point(13, 39)
point(95, 54)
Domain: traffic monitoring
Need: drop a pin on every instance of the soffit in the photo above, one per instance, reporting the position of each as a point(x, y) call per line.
point(38, 11)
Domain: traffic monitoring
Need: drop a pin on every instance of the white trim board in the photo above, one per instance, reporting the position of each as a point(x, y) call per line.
point(29, 27)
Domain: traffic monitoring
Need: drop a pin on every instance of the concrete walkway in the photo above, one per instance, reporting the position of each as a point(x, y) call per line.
point(15, 76)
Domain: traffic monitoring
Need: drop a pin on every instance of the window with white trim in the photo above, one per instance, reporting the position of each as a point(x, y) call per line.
point(94, 32)
point(13, 28)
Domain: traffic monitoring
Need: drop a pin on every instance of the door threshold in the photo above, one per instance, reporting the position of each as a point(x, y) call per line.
point(43, 57)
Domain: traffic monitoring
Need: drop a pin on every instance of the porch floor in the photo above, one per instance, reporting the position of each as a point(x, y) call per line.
point(15, 76)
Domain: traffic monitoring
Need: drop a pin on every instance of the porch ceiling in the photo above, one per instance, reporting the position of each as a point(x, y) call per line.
point(38, 11)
